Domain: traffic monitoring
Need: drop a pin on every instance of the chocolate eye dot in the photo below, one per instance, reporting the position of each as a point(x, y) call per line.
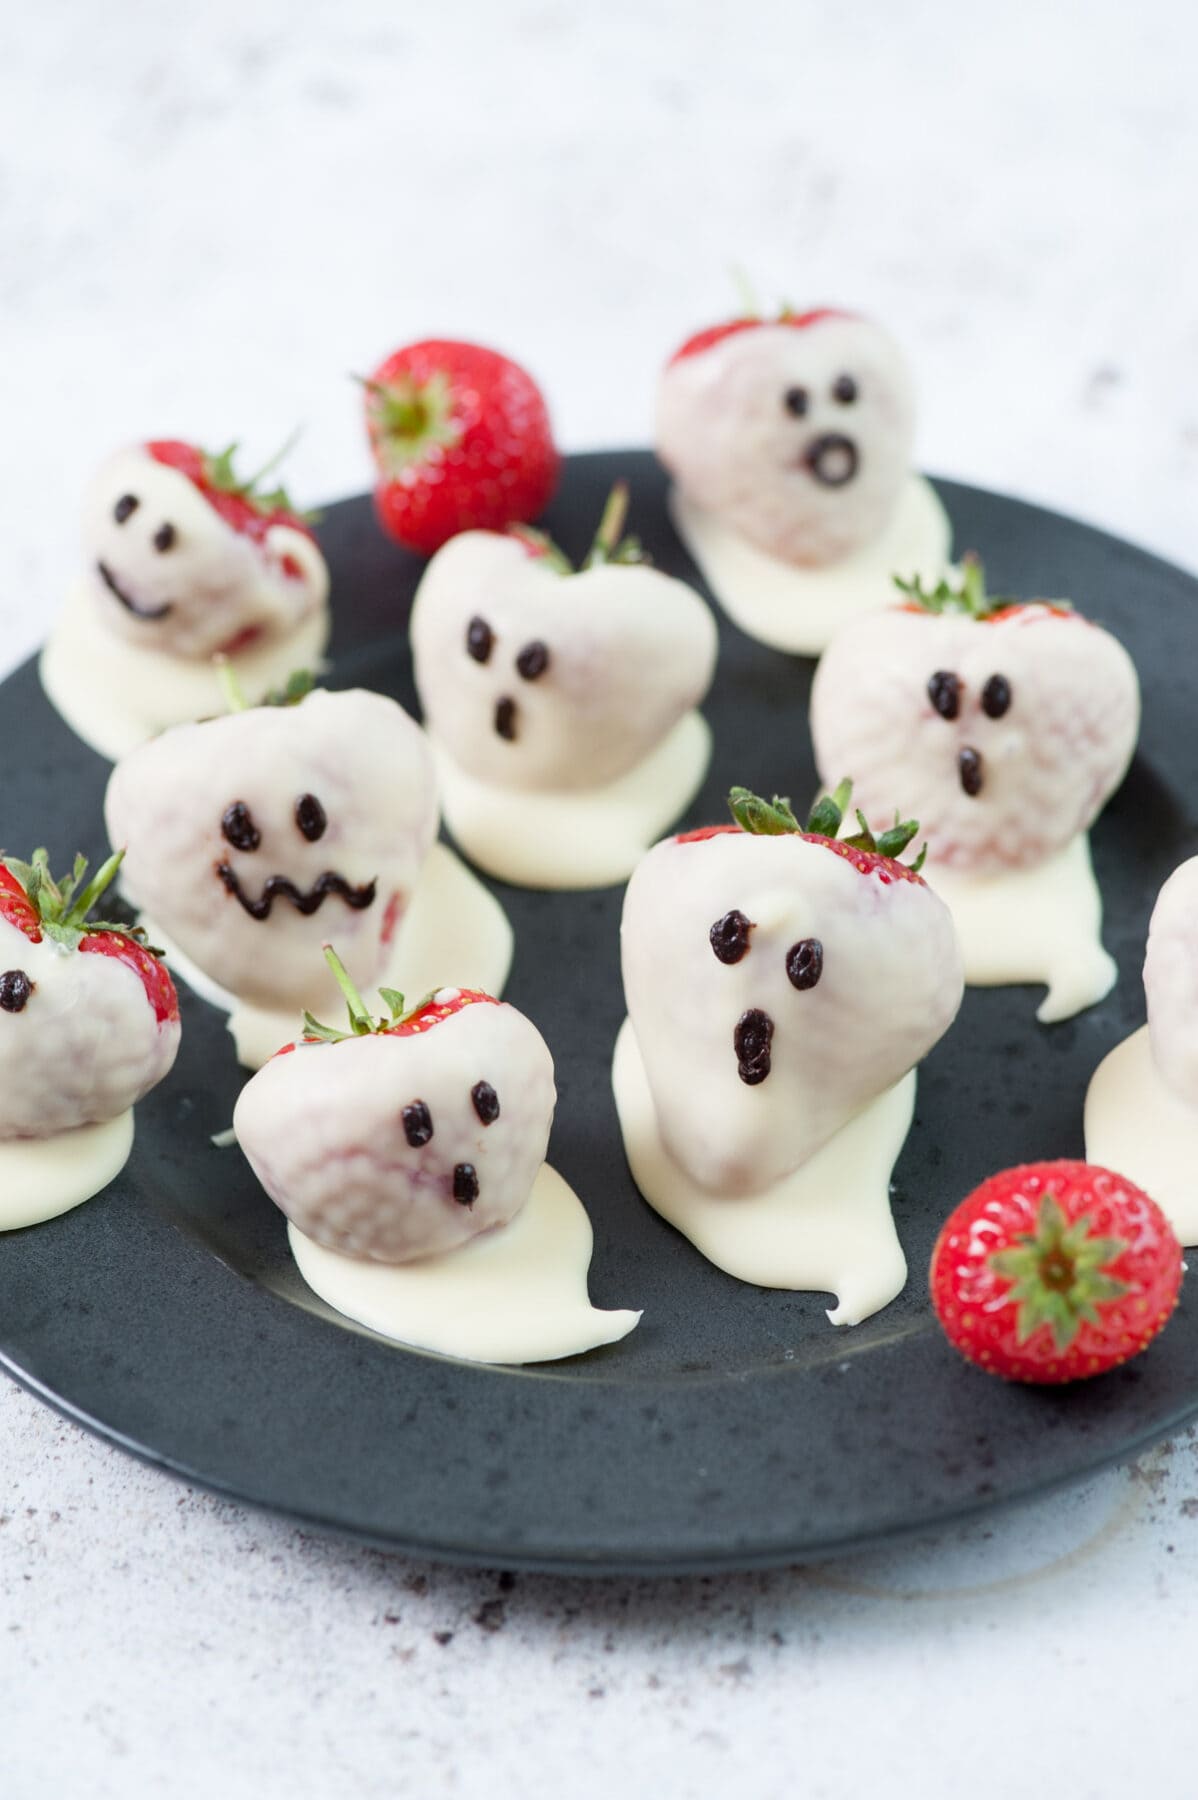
point(944, 691)
point(480, 640)
point(15, 989)
point(844, 389)
point(125, 507)
point(238, 828)
point(795, 400)
point(996, 696)
point(164, 537)
point(805, 963)
point(311, 817)
point(751, 1041)
point(729, 936)
point(486, 1102)
point(465, 1184)
point(417, 1124)
point(533, 660)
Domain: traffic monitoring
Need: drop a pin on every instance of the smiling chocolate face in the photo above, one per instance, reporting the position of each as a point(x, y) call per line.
point(798, 436)
point(252, 839)
point(169, 573)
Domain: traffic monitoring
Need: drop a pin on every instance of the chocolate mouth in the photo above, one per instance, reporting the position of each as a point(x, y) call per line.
point(832, 459)
point(280, 887)
point(118, 593)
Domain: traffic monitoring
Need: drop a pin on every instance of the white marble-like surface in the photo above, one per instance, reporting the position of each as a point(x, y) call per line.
point(208, 218)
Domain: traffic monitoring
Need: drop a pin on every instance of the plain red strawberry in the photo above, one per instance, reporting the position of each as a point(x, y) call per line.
point(38, 905)
point(1054, 1271)
point(462, 440)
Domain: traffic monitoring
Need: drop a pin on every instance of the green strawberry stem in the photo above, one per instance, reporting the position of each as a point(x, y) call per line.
point(272, 462)
point(611, 526)
point(966, 597)
point(220, 473)
point(750, 305)
point(230, 686)
point(362, 1021)
point(775, 818)
point(1057, 1274)
point(63, 906)
point(359, 1014)
point(410, 417)
point(607, 546)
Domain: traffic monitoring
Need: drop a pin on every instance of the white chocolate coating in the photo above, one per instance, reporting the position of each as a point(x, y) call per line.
point(825, 1225)
point(84, 1047)
point(580, 839)
point(210, 585)
point(43, 1177)
point(800, 609)
point(114, 694)
point(323, 1128)
point(1043, 923)
point(1049, 763)
point(630, 651)
point(370, 768)
point(1138, 1123)
point(514, 1295)
point(735, 448)
point(890, 987)
point(1171, 984)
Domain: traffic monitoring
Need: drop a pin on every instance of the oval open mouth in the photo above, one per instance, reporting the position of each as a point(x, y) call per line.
point(117, 591)
point(832, 459)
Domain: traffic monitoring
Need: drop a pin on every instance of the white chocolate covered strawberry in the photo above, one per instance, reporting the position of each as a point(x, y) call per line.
point(185, 558)
point(1011, 723)
point(778, 981)
point(249, 837)
point(535, 677)
point(403, 1138)
point(89, 1017)
point(1171, 982)
point(796, 432)
point(561, 704)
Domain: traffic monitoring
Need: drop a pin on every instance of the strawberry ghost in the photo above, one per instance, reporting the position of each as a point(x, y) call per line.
point(781, 985)
point(790, 442)
point(408, 1152)
point(561, 704)
point(250, 837)
point(1012, 723)
point(89, 1023)
point(183, 561)
point(1142, 1104)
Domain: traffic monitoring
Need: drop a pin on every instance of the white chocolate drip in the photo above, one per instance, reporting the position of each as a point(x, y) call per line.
point(514, 1295)
point(827, 1225)
point(42, 1177)
point(1138, 1126)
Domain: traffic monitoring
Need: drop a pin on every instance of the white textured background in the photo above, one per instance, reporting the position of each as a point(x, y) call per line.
point(209, 216)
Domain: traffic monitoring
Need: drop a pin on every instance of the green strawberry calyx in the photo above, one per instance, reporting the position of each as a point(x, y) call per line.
point(775, 818)
point(965, 596)
point(1058, 1274)
point(298, 685)
point(221, 475)
point(62, 906)
point(609, 544)
point(362, 1022)
point(409, 418)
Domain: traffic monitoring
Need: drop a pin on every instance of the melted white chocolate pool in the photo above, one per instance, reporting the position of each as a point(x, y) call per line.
point(1032, 925)
point(42, 1177)
point(826, 1226)
point(800, 609)
point(115, 695)
point(1139, 1127)
point(514, 1295)
point(454, 930)
point(581, 837)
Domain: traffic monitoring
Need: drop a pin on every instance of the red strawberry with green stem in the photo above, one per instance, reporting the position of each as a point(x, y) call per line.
point(462, 440)
point(1054, 1271)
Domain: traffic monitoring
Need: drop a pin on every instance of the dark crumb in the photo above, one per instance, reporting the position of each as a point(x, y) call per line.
point(443, 1637)
point(491, 1616)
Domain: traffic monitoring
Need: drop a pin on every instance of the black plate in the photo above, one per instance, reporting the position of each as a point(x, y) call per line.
point(736, 1426)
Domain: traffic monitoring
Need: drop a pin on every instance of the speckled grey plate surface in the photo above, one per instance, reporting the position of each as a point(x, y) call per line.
point(736, 1426)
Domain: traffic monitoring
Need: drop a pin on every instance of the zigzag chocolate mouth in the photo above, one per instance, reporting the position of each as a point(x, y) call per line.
point(280, 887)
point(117, 591)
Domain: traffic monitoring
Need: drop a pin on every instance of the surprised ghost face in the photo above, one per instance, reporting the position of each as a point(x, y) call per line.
point(797, 433)
point(251, 840)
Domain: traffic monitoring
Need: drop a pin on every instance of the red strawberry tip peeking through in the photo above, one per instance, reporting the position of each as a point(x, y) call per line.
point(764, 818)
point(401, 1019)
